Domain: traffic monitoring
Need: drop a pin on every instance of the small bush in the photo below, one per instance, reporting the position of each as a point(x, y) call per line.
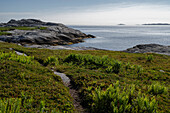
point(110, 101)
point(18, 58)
point(14, 105)
point(87, 59)
point(149, 58)
point(142, 104)
point(116, 66)
point(127, 66)
point(10, 105)
point(110, 65)
point(113, 100)
point(157, 88)
point(51, 60)
point(139, 70)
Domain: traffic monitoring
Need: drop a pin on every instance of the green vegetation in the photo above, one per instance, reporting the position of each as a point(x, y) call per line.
point(157, 88)
point(149, 58)
point(18, 58)
point(141, 87)
point(113, 100)
point(21, 28)
point(5, 33)
point(51, 60)
point(11, 105)
point(94, 62)
point(23, 77)
point(4, 29)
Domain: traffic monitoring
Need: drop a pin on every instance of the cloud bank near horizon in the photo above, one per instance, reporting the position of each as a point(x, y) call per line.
point(107, 14)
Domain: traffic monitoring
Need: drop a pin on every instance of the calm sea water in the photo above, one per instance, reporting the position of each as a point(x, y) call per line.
point(123, 37)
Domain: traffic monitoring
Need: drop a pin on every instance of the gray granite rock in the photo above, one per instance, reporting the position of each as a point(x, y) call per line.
point(149, 48)
point(61, 47)
point(55, 34)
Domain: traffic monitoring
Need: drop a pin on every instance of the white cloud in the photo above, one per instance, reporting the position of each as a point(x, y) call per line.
point(135, 14)
point(109, 14)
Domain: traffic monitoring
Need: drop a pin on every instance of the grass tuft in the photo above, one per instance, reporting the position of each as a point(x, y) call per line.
point(149, 58)
point(157, 88)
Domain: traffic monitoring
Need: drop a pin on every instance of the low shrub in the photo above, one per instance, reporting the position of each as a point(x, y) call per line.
point(18, 58)
point(14, 105)
point(142, 104)
point(149, 58)
point(87, 59)
point(51, 60)
point(127, 66)
point(10, 105)
point(157, 88)
point(113, 100)
point(109, 65)
point(139, 69)
point(115, 67)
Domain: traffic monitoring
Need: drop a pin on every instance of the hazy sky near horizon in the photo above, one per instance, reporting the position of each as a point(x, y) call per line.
point(88, 12)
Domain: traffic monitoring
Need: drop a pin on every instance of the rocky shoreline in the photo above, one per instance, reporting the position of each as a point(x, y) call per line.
point(32, 31)
point(60, 47)
point(149, 48)
point(38, 34)
point(142, 48)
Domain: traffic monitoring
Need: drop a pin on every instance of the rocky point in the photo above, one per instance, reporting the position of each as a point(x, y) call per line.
point(54, 34)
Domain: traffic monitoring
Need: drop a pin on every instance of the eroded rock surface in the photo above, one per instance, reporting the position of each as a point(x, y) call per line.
point(54, 34)
point(61, 47)
point(152, 48)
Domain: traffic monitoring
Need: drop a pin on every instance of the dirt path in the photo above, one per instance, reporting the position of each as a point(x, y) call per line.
point(73, 92)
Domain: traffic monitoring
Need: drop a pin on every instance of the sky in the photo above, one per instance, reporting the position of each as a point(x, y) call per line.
point(88, 12)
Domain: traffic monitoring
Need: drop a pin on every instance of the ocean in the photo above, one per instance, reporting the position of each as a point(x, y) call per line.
point(121, 37)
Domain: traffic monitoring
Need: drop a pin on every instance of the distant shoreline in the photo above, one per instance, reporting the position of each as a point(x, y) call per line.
point(157, 24)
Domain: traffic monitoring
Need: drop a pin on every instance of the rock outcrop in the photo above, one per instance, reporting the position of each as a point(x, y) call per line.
point(150, 48)
point(54, 34)
point(60, 47)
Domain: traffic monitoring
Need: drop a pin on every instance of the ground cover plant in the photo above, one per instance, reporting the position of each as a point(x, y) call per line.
point(3, 30)
point(5, 33)
point(21, 28)
point(143, 79)
point(25, 84)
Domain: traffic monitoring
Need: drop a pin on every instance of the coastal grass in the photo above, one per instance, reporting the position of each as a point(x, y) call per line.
point(21, 28)
point(138, 85)
point(5, 33)
point(3, 30)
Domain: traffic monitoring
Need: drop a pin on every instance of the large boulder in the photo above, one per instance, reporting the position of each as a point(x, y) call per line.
point(54, 34)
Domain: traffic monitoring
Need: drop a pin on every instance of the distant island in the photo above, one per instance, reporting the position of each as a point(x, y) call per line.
point(157, 24)
point(120, 24)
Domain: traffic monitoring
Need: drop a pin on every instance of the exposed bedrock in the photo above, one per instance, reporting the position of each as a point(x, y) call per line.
point(53, 34)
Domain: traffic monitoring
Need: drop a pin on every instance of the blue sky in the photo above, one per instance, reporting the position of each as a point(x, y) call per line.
point(88, 12)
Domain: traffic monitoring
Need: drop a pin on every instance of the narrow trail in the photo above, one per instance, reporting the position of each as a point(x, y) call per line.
point(73, 92)
point(67, 82)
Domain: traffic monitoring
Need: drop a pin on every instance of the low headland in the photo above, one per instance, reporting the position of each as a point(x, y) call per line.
point(32, 31)
point(136, 80)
